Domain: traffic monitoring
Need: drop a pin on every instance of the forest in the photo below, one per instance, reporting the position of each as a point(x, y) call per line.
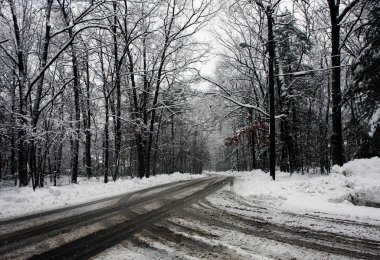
point(118, 88)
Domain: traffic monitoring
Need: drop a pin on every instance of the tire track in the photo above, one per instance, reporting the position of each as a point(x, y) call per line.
point(20, 238)
point(304, 237)
point(93, 244)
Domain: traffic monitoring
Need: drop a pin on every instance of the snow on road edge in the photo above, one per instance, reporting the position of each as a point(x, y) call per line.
point(344, 191)
point(16, 201)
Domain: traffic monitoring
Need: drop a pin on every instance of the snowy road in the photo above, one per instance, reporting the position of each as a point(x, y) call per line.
point(224, 226)
point(177, 221)
point(82, 231)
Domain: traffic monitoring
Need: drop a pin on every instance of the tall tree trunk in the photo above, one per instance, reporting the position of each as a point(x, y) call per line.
point(253, 150)
point(106, 143)
point(194, 153)
point(141, 155)
point(336, 137)
point(37, 100)
point(157, 91)
point(375, 138)
point(272, 128)
point(57, 171)
point(324, 162)
point(76, 90)
point(106, 134)
point(2, 164)
point(13, 165)
point(88, 123)
point(156, 149)
point(283, 108)
point(22, 144)
point(118, 97)
point(172, 159)
point(75, 152)
point(58, 161)
point(137, 116)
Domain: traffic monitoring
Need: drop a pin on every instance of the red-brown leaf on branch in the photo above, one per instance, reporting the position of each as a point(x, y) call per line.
point(258, 130)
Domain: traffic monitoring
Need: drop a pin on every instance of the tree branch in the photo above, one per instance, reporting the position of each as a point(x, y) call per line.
point(346, 10)
point(7, 53)
point(55, 57)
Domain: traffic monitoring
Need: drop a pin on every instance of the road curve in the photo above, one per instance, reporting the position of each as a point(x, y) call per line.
point(85, 233)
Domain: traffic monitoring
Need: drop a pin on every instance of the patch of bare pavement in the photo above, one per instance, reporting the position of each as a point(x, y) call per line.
point(197, 219)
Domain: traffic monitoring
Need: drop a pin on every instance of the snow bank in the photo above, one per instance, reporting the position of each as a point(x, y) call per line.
point(345, 191)
point(362, 178)
point(19, 201)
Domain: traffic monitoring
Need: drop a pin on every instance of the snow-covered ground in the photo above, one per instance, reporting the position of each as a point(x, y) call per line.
point(294, 217)
point(346, 191)
point(16, 201)
point(298, 216)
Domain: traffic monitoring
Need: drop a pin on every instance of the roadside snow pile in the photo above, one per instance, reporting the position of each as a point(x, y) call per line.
point(355, 183)
point(19, 201)
point(363, 180)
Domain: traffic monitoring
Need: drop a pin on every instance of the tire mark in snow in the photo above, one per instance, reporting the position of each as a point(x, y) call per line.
point(304, 237)
point(33, 234)
point(96, 242)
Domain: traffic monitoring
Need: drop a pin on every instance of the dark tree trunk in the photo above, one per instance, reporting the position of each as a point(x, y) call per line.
point(22, 145)
point(33, 157)
point(324, 162)
point(13, 165)
point(106, 141)
point(58, 161)
point(336, 137)
point(137, 116)
point(75, 151)
point(284, 163)
point(141, 155)
point(272, 128)
point(106, 134)
point(172, 159)
point(156, 148)
point(2, 164)
point(282, 106)
point(88, 124)
point(57, 172)
point(160, 72)
point(33, 163)
point(253, 150)
point(375, 140)
point(76, 90)
point(13, 156)
point(194, 159)
point(375, 143)
point(118, 98)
